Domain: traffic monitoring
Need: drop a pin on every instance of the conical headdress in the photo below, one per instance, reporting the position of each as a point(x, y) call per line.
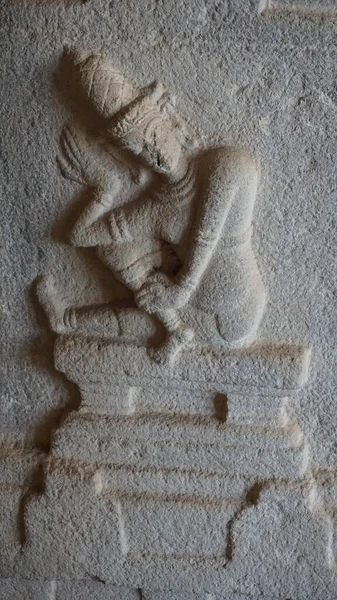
point(123, 104)
point(107, 89)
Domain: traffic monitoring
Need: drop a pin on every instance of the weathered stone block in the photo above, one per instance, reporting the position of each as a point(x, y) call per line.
point(165, 443)
point(325, 8)
point(63, 525)
point(23, 589)
point(276, 368)
point(175, 527)
point(193, 478)
point(94, 590)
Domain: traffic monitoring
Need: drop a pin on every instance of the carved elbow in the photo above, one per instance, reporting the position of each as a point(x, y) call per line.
point(234, 168)
point(74, 240)
point(76, 237)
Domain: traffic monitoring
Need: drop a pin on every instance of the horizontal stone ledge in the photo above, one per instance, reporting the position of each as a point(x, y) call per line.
point(107, 361)
point(97, 440)
point(302, 8)
point(182, 429)
point(235, 407)
point(108, 479)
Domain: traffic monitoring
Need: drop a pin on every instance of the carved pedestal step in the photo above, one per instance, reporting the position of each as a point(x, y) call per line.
point(243, 407)
point(104, 363)
point(193, 444)
point(133, 481)
point(141, 534)
point(143, 539)
point(159, 470)
point(280, 531)
point(237, 387)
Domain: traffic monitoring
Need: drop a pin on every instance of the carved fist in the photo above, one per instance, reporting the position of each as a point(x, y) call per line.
point(159, 293)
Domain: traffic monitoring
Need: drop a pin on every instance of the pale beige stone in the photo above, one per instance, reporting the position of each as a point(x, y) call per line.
point(171, 434)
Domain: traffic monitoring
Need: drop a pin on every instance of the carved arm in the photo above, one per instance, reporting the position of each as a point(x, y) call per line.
point(138, 220)
point(90, 229)
point(228, 171)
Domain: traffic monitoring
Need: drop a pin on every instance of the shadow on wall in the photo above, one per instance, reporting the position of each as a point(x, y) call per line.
point(85, 118)
point(111, 288)
point(40, 352)
point(70, 92)
point(41, 356)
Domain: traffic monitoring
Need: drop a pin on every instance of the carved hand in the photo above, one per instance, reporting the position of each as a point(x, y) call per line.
point(159, 293)
point(86, 161)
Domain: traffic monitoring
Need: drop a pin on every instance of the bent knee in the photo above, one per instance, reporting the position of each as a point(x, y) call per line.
point(240, 326)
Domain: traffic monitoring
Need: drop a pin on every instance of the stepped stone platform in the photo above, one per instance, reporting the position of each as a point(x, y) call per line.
point(157, 478)
point(156, 466)
point(170, 443)
point(260, 366)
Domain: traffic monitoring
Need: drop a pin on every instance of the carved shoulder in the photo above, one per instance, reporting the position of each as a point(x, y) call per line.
point(229, 158)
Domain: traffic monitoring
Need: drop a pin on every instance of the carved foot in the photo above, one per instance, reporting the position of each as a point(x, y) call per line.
point(54, 309)
point(167, 352)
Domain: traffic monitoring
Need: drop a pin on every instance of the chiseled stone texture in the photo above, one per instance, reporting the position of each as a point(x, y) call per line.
point(322, 8)
point(55, 590)
point(21, 589)
point(209, 484)
point(254, 80)
point(93, 590)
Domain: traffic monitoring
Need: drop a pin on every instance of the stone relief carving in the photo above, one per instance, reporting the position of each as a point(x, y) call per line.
point(181, 241)
point(160, 470)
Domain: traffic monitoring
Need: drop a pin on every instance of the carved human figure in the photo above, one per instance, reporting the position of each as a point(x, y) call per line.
point(183, 247)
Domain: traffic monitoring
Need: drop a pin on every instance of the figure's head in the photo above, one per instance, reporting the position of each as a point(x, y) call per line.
point(149, 128)
point(142, 120)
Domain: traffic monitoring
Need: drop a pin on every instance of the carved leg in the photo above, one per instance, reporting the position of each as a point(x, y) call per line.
point(178, 335)
point(108, 322)
point(52, 305)
point(64, 319)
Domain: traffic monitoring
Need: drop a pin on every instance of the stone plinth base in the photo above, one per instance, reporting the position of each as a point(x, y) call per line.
point(261, 367)
point(158, 474)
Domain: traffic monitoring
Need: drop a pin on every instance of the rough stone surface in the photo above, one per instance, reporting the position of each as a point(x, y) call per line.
point(211, 475)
